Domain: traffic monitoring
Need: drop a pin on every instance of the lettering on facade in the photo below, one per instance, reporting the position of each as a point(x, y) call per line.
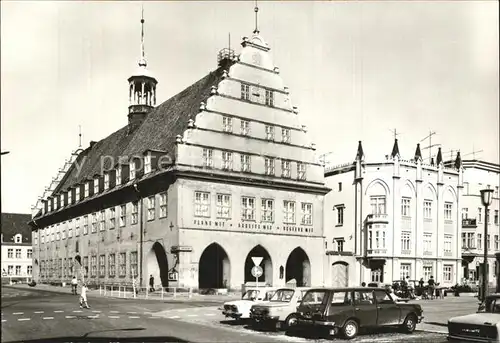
point(252, 226)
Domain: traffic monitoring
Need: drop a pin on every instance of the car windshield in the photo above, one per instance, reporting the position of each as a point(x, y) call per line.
point(250, 294)
point(283, 295)
point(313, 298)
point(492, 306)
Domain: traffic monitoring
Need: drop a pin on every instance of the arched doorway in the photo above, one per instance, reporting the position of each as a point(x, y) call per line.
point(214, 268)
point(266, 264)
point(340, 274)
point(298, 268)
point(157, 265)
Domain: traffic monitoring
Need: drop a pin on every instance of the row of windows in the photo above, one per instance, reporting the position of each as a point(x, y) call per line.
point(252, 93)
point(378, 205)
point(246, 164)
point(377, 239)
point(469, 240)
point(114, 265)
point(17, 270)
point(105, 219)
point(227, 126)
point(405, 271)
point(19, 253)
point(202, 208)
point(465, 215)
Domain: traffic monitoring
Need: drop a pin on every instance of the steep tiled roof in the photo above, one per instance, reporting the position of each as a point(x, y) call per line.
point(157, 132)
point(14, 223)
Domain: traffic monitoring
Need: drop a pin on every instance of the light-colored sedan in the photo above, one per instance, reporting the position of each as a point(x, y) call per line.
point(240, 309)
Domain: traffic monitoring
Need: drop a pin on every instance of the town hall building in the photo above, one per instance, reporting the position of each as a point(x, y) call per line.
point(190, 189)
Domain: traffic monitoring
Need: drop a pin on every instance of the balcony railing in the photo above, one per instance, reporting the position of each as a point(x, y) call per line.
point(405, 252)
point(376, 251)
point(427, 253)
point(447, 253)
point(377, 218)
point(469, 222)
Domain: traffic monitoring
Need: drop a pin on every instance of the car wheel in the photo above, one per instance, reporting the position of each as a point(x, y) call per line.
point(350, 329)
point(410, 323)
point(290, 321)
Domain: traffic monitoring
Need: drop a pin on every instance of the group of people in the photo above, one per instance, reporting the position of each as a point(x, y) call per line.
point(404, 290)
point(83, 293)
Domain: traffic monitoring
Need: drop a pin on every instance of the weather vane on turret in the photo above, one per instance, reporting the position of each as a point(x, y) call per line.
point(256, 9)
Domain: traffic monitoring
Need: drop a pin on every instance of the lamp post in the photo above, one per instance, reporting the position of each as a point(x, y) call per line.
point(486, 198)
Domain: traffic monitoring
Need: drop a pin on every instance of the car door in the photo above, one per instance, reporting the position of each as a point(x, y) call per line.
point(340, 307)
point(365, 308)
point(388, 312)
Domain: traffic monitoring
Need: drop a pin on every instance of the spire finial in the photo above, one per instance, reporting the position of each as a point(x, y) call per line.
point(142, 61)
point(256, 9)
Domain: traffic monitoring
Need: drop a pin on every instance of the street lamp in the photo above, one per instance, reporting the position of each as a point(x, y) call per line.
point(486, 198)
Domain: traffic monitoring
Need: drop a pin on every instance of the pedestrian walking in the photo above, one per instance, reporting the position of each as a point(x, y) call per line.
point(74, 285)
point(83, 296)
point(151, 283)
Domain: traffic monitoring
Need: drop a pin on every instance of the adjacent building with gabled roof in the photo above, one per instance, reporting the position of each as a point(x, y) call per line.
point(16, 245)
point(193, 188)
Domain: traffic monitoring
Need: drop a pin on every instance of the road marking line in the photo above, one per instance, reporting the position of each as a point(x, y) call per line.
point(4, 320)
point(38, 312)
point(114, 317)
point(23, 319)
point(174, 317)
point(16, 313)
point(154, 317)
point(192, 315)
point(76, 311)
point(93, 317)
point(114, 312)
point(48, 318)
point(70, 317)
point(96, 311)
point(209, 314)
point(133, 317)
point(182, 310)
point(58, 311)
point(132, 312)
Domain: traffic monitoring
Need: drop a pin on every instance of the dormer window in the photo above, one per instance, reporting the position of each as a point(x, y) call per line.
point(77, 193)
point(285, 135)
point(87, 186)
point(18, 238)
point(70, 197)
point(227, 124)
point(50, 205)
point(269, 98)
point(132, 170)
point(96, 185)
point(147, 164)
point(106, 181)
point(119, 175)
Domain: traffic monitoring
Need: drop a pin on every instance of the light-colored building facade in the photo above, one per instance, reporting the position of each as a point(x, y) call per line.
point(479, 175)
point(389, 219)
point(191, 189)
point(16, 246)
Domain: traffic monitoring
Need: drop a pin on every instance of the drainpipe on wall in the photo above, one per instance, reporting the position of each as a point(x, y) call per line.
point(141, 225)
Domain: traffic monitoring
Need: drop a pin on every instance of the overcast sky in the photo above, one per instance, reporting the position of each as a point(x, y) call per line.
point(354, 69)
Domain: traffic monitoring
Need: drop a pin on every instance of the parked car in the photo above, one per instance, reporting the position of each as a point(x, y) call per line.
point(281, 308)
point(346, 310)
point(482, 326)
point(240, 309)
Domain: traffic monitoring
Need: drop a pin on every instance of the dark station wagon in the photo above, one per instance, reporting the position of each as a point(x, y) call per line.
point(346, 310)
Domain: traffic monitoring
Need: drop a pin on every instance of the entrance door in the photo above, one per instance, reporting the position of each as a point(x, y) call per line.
point(340, 275)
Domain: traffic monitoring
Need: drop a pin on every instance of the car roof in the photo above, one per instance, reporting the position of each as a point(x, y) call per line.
point(495, 295)
point(345, 289)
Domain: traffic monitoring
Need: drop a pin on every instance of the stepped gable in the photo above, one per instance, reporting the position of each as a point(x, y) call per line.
point(157, 132)
point(164, 123)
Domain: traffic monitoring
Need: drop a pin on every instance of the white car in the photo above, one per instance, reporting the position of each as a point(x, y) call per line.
point(483, 326)
point(240, 309)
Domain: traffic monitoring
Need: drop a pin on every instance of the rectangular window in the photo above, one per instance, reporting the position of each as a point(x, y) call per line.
point(245, 127)
point(427, 209)
point(227, 160)
point(247, 208)
point(112, 218)
point(378, 204)
point(106, 181)
point(286, 169)
point(63, 230)
point(163, 205)
point(427, 272)
point(96, 186)
point(288, 212)
point(405, 207)
point(102, 217)
point(122, 261)
point(224, 206)
point(58, 232)
point(427, 244)
point(119, 175)
point(208, 161)
point(10, 253)
point(405, 271)
point(86, 265)
point(285, 135)
point(301, 171)
point(267, 210)
point(340, 245)
point(270, 133)
point(85, 225)
point(269, 98)
point(465, 214)
point(18, 270)
point(340, 215)
point(447, 244)
point(497, 243)
point(18, 253)
point(479, 241)
point(77, 193)
point(93, 266)
point(202, 204)
point(135, 212)
point(487, 216)
point(405, 241)
point(111, 265)
point(245, 163)
point(94, 223)
point(29, 253)
point(495, 219)
point(36, 239)
point(151, 207)
point(488, 242)
point(447, 272)
point(70, 229)
point(102, 265)
point(133, 264)
point(132, 170)
point(227, 124)
point(122, 212)
point(10, 270)
point(77, 227)
point(447, 210)
point(306, 215)
point(147, 164)
point(245, 91)
point(376, 239)
point(479, 215)
point(269, 165)
point(471, 242)
point(29, 270)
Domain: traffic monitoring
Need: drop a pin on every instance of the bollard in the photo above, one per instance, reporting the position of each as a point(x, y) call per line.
point(162, 292)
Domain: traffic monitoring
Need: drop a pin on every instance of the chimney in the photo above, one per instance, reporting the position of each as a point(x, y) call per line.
point(92, 143)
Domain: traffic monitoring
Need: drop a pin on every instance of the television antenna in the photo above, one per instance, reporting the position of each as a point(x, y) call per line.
point(430, 146)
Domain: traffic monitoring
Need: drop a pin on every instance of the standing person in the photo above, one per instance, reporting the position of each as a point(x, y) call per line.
point(431, 284)
point(74, 284)
point(83, 296)
point(151, 283)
